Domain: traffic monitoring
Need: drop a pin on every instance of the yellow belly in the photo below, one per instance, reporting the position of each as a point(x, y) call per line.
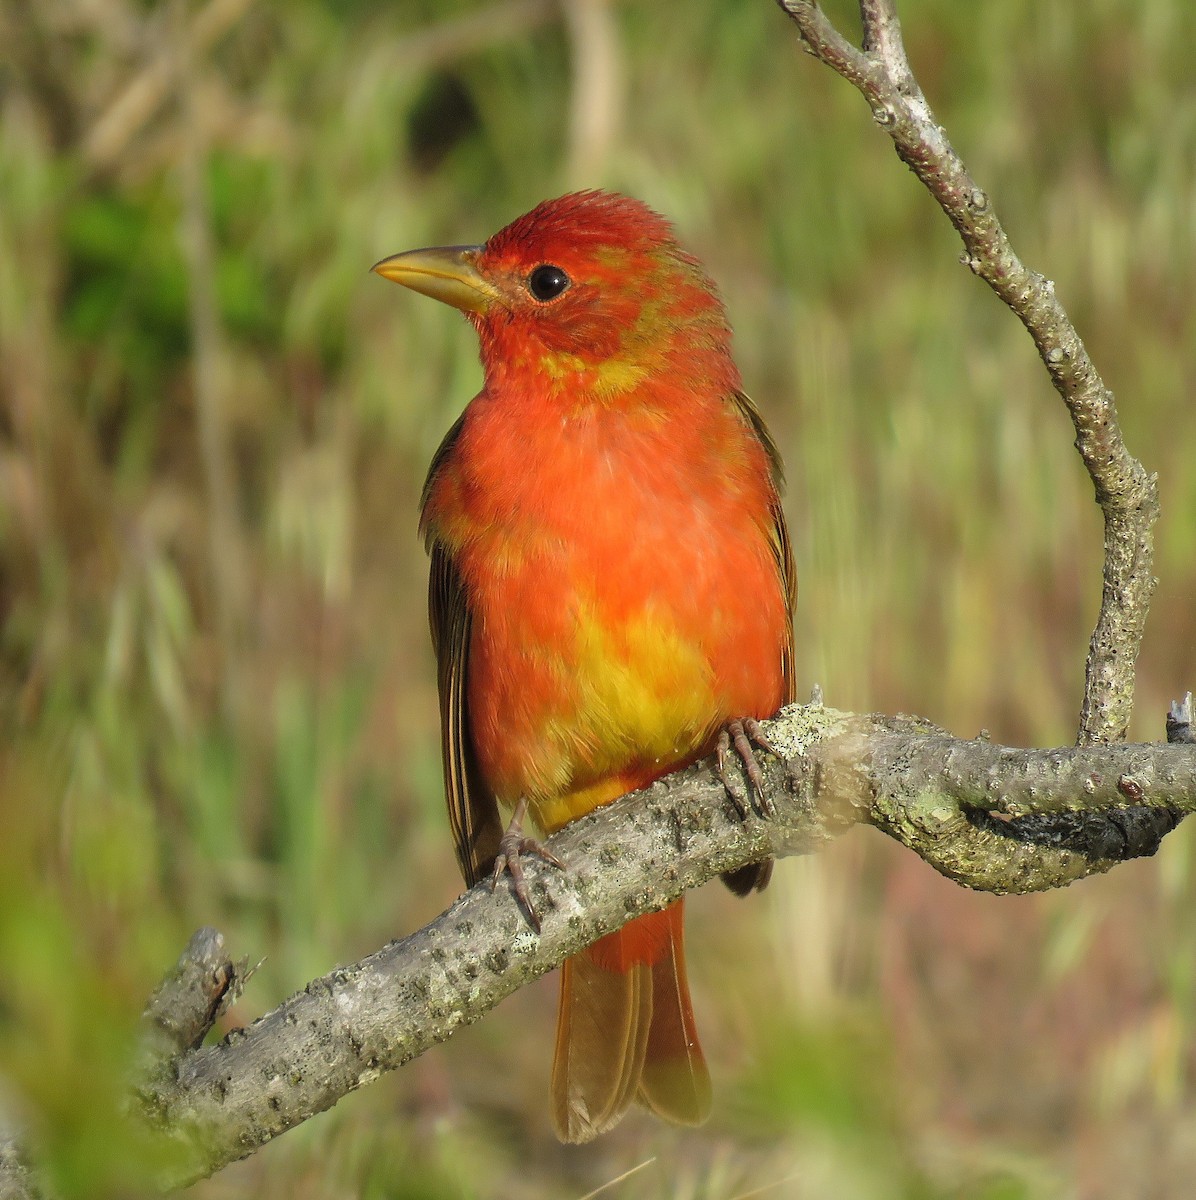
point(629, 703)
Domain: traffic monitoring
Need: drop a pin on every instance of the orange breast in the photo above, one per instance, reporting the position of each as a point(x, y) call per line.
point(625, 593)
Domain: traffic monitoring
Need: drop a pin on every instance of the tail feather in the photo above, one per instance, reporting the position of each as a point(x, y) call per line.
point(602, 1031)
point(675, 1083)
point(625, 1030)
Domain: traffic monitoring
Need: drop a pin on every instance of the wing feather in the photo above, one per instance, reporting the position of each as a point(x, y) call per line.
point(472, 809)
point(782, 548)
point(755, 876)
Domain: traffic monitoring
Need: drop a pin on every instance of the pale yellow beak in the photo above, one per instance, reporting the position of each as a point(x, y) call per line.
point(447, 273)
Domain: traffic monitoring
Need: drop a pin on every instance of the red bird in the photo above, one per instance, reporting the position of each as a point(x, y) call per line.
point(611, 589)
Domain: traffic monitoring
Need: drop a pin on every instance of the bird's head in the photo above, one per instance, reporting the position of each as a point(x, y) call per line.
point(588, 290)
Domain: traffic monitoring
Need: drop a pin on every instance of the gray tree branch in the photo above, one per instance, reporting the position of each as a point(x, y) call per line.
point(185, 1006)
point(17, 1181)
point(987, 816)
point(1126, 492)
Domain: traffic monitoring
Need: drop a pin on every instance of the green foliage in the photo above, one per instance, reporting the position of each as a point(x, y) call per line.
point(247, 737)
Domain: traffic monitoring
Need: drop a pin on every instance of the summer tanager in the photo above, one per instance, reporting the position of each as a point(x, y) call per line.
point(611, 589)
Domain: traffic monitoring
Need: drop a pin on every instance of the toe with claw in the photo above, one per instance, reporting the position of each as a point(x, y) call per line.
point(739, 735)
point(511, 850)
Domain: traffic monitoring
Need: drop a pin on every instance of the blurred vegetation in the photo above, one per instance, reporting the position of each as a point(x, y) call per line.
point(215, 684)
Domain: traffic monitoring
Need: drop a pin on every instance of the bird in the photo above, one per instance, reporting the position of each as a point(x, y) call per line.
point(611, 592)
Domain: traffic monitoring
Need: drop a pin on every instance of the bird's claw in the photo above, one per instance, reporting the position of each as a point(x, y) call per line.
point(740, 734)
point(513, 845)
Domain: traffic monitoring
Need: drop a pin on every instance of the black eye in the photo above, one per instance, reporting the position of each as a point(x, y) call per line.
point(547, 282)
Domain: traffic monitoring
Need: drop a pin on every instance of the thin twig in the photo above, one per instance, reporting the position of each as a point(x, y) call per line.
point(610, 1183)
point(1179, 721)
point(1126, 492)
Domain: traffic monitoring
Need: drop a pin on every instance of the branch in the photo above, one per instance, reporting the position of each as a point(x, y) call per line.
point(179, 1015)
point(986, 816)
point(1126, 493)
point(16, 1179)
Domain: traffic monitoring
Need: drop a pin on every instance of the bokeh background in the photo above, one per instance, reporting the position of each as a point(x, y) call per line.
point(216, 687)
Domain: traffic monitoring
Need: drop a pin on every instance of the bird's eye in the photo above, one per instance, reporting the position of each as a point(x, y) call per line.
point(547, 282)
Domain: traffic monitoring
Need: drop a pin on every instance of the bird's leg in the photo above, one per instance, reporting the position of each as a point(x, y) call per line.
point(740, 734)
point(511, 849)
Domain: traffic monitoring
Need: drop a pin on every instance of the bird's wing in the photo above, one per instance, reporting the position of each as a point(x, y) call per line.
point(782, 549)
point(472, 809)
point(755, 876)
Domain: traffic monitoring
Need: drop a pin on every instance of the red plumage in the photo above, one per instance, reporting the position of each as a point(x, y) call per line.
point(612, 583)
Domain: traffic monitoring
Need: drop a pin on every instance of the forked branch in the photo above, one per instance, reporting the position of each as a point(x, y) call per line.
point(1126, 492)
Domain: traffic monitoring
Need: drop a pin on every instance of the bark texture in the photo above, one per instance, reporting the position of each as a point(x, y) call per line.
point(987, 816)
point(1126, 492)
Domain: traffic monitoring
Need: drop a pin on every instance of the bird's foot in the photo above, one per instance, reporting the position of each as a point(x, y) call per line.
point(740, 734)
point(511, 849)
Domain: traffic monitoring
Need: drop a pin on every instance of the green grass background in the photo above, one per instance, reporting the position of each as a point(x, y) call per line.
point(216, 688)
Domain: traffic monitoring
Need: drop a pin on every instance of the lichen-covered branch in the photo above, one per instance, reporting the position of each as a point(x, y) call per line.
point(987, 816)
point(186, 1004)
point(16, 1179)
point(1126, 492)
point(1002, 820)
